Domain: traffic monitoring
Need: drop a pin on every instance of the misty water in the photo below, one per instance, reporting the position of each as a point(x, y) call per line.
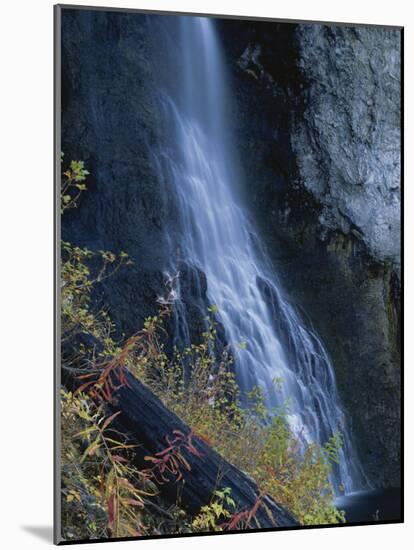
point(219, 239)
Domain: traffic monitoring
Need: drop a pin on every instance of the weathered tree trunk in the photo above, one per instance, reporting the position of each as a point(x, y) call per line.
point(148, 421)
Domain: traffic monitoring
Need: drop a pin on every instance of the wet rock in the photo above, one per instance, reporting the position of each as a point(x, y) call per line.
point(321, 153)
point(116, 133)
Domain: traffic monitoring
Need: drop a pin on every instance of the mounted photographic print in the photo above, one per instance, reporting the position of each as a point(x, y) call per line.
point(228, 274)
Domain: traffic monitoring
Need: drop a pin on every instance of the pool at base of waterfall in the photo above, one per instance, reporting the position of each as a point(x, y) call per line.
point(371, 506)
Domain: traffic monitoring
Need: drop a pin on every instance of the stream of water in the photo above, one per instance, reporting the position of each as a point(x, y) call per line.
point(220, 240)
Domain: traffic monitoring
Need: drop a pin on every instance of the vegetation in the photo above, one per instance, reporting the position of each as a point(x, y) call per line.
point(257, 441)
point(103, 494)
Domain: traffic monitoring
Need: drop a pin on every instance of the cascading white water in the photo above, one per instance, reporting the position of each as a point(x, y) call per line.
point(219, 240)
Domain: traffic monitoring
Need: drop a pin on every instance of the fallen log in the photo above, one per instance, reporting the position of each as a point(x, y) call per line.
point(160, 434)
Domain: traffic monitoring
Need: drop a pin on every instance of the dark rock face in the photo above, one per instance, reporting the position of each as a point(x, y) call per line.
point(320, 139)
point(347, 148)
point(110, 119)
point(316, 112)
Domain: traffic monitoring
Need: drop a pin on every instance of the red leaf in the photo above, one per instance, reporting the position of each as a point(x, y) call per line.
point(134, 502)
point(111, 511)
point(118, 458)
point(109, 420)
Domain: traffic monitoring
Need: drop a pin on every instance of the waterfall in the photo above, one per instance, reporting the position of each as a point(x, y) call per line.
point(219, 240)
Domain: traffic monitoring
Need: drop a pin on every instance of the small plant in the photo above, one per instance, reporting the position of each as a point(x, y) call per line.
point(212, 516)
point(72, 184)
point(168, 464)
point(243, 520)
